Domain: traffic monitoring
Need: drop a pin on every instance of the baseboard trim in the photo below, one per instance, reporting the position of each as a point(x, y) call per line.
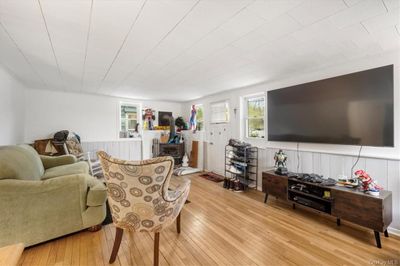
point(394, 231)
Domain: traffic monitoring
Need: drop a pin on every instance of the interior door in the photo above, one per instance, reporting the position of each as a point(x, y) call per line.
point(218, 137)
point(211, 140)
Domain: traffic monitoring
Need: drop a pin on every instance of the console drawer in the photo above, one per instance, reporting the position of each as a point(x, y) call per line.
point(359, 209)
point(275, 185)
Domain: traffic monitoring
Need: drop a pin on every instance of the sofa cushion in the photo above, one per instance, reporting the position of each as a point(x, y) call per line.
point(68, 169)
point(53, 161)
point(20, 162)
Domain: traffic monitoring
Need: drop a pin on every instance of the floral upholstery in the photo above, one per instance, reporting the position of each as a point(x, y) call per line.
point(138, 193)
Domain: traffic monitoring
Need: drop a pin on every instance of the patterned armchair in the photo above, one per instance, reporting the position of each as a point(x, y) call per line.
point(139, 197)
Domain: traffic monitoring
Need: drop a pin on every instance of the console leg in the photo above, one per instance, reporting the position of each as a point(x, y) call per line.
point(266, 198)
point(378, 239)
point(338, 221)
point(386, 233)
point(294, 206)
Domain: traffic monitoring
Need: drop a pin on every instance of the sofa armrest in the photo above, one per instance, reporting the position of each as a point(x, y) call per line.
point(97, 195)
point(53, 161)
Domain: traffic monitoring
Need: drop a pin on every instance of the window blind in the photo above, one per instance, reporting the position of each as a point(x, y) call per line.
point(219, 112)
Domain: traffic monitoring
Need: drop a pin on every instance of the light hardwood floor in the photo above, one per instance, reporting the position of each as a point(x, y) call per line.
point(221, 227)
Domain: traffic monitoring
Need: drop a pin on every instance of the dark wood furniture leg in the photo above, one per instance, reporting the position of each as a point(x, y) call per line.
point(338, 221)
point(266, 198)
point(94, 228)
point(178, 223)
point(117, 242)
point(294, 206)
point(378, 239)
point(386, 233)
point(156, 247)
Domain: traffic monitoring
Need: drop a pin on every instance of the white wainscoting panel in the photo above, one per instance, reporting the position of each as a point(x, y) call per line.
point(393, 178)
point(123, 149)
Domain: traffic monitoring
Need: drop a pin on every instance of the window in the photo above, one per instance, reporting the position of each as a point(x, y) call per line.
point(219, 112)
point(255, 113)
point(129, 119)
point(199, 117)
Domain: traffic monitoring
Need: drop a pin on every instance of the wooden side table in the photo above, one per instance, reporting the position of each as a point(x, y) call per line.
point(10, 255)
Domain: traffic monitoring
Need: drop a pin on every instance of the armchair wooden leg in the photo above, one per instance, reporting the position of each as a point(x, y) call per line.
point(156, 247)
point(178, 223)
point(117, 243)
point(95, 228)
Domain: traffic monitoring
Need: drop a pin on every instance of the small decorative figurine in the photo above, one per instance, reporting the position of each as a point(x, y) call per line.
point(185, 161)
point(148, 117)
point(193, 118)
point(368, 185)
point(280, 163)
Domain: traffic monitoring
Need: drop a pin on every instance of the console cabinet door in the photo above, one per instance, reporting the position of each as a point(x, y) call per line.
point(275, 185)
point(359, 209)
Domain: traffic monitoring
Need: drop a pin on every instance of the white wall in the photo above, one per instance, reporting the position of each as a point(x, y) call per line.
point(11, 109)
point(93, 117)
point(382, 163)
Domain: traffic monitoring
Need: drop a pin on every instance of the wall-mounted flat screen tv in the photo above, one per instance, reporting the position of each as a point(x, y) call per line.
point(353, 109)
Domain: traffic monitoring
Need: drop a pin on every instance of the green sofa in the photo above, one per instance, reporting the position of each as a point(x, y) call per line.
point(42, 197)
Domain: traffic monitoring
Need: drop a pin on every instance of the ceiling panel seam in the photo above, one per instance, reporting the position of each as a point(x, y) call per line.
point(255, 29)
point(229, 44)
point(51, 44)
point(23, 55)
point(87, 45)
point(365, 28)
point(123, 43)
point(204, 36)
point(383, 2)
point(158, 43)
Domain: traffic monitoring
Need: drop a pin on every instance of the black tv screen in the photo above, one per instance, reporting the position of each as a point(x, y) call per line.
point(354, 109)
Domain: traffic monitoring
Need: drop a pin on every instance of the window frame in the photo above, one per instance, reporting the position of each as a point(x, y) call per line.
point(246, 117)
point(226, 102)
point(119, 119)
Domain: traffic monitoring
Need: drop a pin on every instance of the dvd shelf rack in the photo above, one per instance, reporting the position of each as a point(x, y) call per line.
point(244, 160)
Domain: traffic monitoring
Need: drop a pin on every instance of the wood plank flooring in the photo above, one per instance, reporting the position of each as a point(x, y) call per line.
point(221, 227)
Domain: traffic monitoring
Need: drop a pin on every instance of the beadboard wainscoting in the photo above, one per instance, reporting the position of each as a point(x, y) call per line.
point(121, 149)
point(385, 172)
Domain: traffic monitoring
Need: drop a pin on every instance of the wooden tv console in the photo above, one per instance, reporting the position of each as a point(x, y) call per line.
point(343, 203)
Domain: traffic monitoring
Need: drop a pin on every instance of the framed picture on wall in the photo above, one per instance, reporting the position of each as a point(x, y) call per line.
point(164, 118)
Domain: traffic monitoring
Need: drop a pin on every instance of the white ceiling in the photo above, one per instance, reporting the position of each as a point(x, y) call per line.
point(185, 49)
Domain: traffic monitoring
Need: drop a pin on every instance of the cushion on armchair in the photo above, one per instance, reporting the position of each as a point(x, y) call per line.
point(68, 169)
point(53, 161)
